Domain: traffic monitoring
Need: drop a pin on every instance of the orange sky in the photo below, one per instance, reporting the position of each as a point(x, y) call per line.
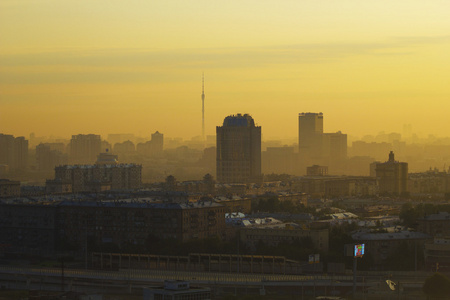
point(102, 67)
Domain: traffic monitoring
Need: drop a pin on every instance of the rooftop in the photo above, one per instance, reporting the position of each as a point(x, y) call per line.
point(239, 121)
point(401, 235)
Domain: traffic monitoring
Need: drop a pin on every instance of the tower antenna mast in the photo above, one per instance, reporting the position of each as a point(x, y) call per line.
point(203, 108)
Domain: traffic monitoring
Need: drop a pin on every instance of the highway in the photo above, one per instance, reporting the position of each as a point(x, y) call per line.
point(133, 280)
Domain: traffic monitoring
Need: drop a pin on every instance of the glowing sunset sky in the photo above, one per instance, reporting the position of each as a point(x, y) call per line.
point(96, 66)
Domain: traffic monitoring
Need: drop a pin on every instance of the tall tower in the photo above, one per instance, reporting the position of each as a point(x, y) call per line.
point(203, 108)
point(238, 150)
point(310, 133)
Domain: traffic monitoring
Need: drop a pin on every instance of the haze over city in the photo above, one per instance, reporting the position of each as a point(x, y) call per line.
point(102, 67)
point(227, 150)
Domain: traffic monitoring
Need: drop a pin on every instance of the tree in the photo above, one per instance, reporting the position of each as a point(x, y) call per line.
point(437, 285)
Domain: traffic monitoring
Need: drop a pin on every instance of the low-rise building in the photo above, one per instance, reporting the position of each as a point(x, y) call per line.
point(65, 223)
point(437, 255)
point(317, 170)
point(96, 178)
point(235, 204)
point(436, 225)
point(28, 227)
point(380, 246)
point(9, 188)
point(432, 182)
point(274, 234)
point(392, 176)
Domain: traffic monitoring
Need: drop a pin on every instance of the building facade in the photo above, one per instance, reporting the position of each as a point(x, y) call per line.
point(14, 152)
point(317, 147)
point(310, 134)
point(274, 235)
point(392, 176)
point(238, 150)
point(96, 178)
point(9, 188)
point(436, 225)
point(84, 148)
point(49, 156)
point(157, 145)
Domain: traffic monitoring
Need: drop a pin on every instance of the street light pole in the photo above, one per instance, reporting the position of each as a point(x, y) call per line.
point(354, 275)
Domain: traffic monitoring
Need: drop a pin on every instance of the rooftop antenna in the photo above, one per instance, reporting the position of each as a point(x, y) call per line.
point(203, 108)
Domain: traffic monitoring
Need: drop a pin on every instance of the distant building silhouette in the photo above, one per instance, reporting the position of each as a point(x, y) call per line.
point(126, 147)
point(317, 170)
point(317, 147)
point(50, 155)
point(152, 148)
point(279, 160)
point(95, 178)
point(335, 146)
point(157, 144)
point(84, 148)
point(115, 138)
point(310, 131)
point(9, 188)
point(14, 152)
point(107, 158)
point(238, 150)
point(392, 176)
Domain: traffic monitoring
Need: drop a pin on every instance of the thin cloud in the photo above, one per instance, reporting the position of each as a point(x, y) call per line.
point(136, 65)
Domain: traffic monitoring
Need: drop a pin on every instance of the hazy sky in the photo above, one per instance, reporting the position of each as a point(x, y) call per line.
point(97, 66)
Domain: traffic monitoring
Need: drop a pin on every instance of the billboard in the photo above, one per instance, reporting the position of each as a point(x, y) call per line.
point(314, 258)
point(358, 250)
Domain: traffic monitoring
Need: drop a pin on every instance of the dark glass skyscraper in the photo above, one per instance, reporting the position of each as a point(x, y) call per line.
point(238, 150)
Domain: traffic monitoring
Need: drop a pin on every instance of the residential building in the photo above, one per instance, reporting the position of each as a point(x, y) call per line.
point(275, 234)
point(35, 225)
point(9, 188)
point(238, 150)
point(381, 246)
point(279, 160)
point(436, 225)
point(84, 148)
point(317, 170)
point(49, 156)
point(392, 176)
point(14, 152)
point(96, 178)
point(157, 145)
point(437, 255)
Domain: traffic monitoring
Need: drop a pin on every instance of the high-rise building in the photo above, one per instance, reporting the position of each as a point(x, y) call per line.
point(238, 150)
point(14, 152)
point(310, 131)
point(318, 148)
point(84, 148)
point(157, 143)
point(335, 146)
point(392, 176)
point(279, 160)
point(50, 155)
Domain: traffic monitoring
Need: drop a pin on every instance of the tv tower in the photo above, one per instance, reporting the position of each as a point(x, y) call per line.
point(203, 108)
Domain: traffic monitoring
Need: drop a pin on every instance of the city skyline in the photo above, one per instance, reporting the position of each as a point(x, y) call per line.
point(103, 67)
